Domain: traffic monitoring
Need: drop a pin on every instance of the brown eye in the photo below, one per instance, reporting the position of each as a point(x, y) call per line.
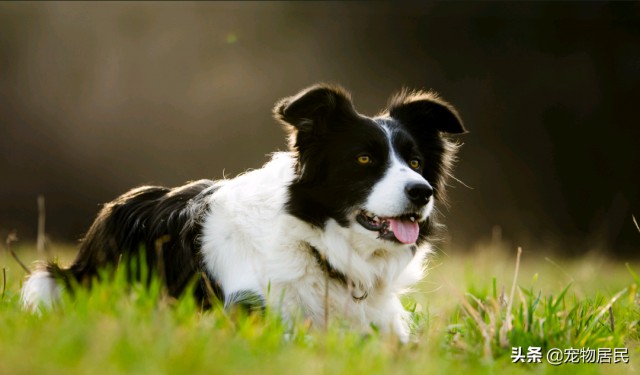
point(415, 163)
point(364, 159)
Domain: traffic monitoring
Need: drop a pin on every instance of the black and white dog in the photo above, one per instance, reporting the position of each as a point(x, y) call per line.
point(338, 225)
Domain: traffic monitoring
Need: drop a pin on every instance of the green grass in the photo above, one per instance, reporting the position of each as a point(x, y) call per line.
point(461, 312)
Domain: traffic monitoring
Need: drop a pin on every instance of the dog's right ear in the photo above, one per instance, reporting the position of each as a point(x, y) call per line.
point(315, 108)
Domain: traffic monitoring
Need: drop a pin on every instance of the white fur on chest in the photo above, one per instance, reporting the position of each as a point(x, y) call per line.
point(250, 242)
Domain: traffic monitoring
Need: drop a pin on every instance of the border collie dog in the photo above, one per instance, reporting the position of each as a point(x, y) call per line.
point(337, 226)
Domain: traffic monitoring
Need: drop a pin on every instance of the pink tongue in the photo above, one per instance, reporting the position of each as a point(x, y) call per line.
point(406, 231)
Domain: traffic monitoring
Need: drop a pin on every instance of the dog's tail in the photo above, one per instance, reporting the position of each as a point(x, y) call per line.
point(40, 291)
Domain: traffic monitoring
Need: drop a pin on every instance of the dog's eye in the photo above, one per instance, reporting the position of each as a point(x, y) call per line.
point(364, 159)
point(415, 163)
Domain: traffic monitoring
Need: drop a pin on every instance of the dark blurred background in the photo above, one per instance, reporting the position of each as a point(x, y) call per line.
point(96, 98)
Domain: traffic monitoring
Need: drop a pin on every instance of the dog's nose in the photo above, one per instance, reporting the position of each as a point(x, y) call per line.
point(419, 193)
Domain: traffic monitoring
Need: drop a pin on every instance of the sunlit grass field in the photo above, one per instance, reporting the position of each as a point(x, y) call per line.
point(467, 321)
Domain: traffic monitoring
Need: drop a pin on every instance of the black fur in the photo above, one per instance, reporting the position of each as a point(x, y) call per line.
point(157, 226)
point(328, 136)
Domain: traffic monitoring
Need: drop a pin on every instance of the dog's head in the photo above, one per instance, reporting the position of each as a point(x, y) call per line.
point(378, 175)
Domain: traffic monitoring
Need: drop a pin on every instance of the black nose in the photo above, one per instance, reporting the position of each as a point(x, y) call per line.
point(419, 193)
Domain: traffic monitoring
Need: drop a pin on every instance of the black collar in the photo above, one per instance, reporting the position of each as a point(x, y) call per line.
point(334, 274)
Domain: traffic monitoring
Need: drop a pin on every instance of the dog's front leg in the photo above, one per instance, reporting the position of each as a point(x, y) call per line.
point(391, 318)
point(248, 301)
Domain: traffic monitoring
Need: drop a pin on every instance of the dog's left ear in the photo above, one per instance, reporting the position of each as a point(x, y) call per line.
point(315, 108)
point(425, 111)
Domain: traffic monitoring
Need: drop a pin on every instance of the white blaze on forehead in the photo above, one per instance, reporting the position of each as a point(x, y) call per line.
point(388, 197)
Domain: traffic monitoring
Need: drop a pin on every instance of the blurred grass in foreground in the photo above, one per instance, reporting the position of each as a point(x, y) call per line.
point(460, 311)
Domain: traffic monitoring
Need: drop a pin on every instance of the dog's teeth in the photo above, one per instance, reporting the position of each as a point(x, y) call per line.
point(413, 219)
point(375, 218)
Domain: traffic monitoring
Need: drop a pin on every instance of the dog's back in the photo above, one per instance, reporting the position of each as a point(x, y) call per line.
point(145, 229)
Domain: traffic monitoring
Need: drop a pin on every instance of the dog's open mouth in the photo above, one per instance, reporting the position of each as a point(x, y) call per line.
point(404, 228)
